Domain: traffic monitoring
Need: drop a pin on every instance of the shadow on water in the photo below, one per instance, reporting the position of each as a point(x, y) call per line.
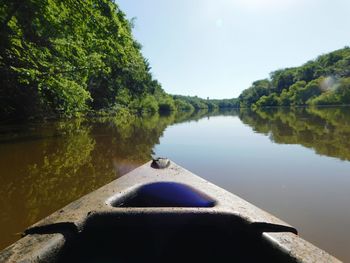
point(45, 166)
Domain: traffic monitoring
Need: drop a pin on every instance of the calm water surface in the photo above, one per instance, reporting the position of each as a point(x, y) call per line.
point(292, 163)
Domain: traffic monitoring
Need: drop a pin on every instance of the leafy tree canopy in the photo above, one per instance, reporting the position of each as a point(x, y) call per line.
point(322, 81)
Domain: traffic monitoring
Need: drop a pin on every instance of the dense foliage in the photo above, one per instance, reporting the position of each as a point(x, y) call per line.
point(70, 57)
point(66, 57)
point(196, 103)
point(323, 81)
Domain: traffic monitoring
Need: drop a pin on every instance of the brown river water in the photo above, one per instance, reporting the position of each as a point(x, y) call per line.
point(294, 163)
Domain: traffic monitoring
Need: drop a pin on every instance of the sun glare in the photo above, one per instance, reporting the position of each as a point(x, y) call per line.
point(264, 4)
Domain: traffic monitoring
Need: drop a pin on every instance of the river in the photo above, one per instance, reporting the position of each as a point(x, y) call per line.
point(293, 163)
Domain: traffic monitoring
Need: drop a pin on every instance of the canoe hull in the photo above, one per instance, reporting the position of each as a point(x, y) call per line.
point(166, 214)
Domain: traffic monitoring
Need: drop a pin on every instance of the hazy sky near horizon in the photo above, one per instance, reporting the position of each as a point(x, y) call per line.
point(217, 48)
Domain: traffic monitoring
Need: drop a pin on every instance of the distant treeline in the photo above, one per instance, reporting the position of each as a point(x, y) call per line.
point(323, 81)
point(196, 103)
point(71, 57)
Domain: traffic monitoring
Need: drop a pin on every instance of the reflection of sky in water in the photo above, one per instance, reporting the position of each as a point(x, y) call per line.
point(46, 166)
point(307, 190)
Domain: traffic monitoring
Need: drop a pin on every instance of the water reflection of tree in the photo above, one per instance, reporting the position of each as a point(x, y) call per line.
point(326, 130)
point(58, 162)
point(127, 146)
point(187, 116)
point(54, 163)
point(40, 172)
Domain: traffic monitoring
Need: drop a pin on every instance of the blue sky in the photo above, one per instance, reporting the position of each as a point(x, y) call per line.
point(217, 48)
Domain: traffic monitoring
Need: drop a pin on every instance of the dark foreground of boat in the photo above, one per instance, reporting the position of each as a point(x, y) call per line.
point(161, 212)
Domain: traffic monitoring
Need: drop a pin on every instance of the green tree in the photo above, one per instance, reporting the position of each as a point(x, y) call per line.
point(268, 101)
point(282, 79)
point(336, 95)
point(65, 57)
point(258, 89)
point(167, 104)
point(307, 84)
